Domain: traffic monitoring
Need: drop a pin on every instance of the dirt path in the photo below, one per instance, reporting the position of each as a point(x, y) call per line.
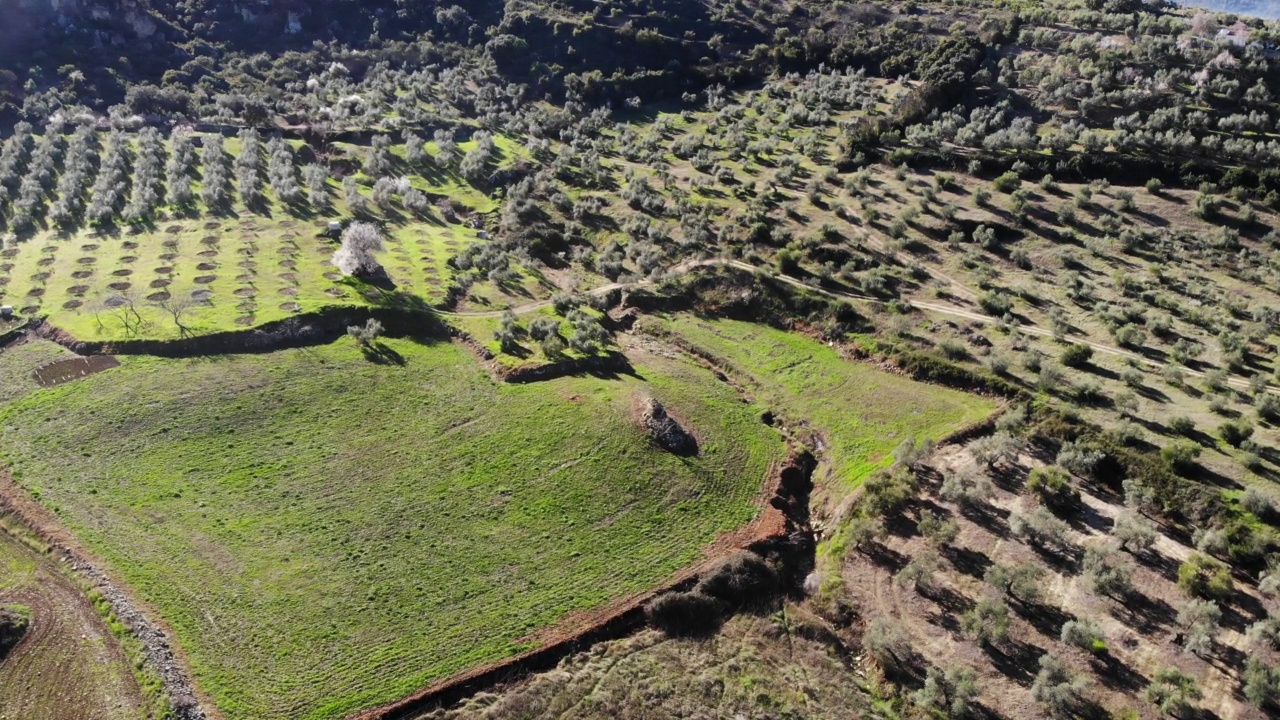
point(69, 666)
point(167, 662)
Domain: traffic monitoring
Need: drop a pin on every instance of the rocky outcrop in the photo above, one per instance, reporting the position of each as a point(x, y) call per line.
point(666, 431)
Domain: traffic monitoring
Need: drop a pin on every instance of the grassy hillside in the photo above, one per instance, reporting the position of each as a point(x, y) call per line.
point(858, 415)
point(400, 523)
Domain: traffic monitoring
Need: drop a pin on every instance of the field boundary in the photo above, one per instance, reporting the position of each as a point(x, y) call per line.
point(619, 619)
point(169, 663)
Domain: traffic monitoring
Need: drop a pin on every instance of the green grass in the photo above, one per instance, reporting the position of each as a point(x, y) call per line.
point(325, 534)
point(18, 362)
point(253, 269)
point(861, 413)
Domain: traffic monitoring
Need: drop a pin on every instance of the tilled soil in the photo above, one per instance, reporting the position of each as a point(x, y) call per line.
point(68, 666)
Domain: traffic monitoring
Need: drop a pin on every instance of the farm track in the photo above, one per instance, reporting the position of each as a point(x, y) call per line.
point(66, 634)
point(174, 672)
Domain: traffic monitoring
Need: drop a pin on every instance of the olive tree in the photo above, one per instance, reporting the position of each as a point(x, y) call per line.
point(951, 692)
point(1056, 688)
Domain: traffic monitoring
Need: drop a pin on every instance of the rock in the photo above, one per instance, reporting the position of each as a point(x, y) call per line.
point(666, 432)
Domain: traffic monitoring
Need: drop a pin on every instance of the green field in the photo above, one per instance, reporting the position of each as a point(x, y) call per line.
point(861, 413)
point(243, 271)
point(325, 533)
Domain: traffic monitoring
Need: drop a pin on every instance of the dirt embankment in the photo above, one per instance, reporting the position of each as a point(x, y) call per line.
point(609, 364)
point(174, 673)
point(317, 328)
point(782, 523)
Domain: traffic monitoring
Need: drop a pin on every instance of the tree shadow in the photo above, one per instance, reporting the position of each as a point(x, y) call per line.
point(380, 353)
point(1015, 660)
point(1117, 675)
point(969, 562)
point(1046, 619)
point(1143, 614)
point(885, 557)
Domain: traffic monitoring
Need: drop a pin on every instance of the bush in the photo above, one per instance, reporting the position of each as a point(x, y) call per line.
point(1256, 502)
point(1083, 634)
point(685, 613)
point(1077, 355)
point(1007, 182)
point(1269, 407)
point(1055, 687)
point(1052, 486)
point(1182, 425)
point(1261, 683)
point(1173, 691)
point(1079, 459)
point(887, 643)
point(1204, 576)
point(1235, 432)
point(743, 580)
point(951, 692)
point(1181, 455)
point(995, 304)
point(988, 622)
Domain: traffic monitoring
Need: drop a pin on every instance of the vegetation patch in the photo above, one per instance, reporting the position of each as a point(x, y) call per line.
point(399, 521)
point(856, 414)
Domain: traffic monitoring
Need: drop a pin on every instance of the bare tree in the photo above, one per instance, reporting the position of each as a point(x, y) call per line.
point(176, 308)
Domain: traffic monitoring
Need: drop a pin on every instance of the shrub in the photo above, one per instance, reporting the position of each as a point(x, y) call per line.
point(953, 349)
point(359, 243)
point(1022, 582)
point(1235, 432)
point(1173, 691)
point(1181, 455)
point(742, 580)
point(1052, 486)
point(1083, 634)
point(1134, 533)
point(966, 488)
point(919, 573)
point(1256, 502)
point(1266, 631)
point(937, 529)
point(1079, 459)
point(1077, 355)
point(887, 491)
point(995, 304)
point(1199, 620)
point(987, 623)
point(951, 692)
point(1269, 407)
point(1055, 688)
point(887, 643)
point(1203, 576)
point(1182, 425)
point(1102, 568)
point(1261, 683)
point(1007, 182)
point(1039, 527)
point(684, 613)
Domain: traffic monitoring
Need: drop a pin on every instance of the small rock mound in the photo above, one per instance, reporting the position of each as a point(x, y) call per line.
point(666, 432)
